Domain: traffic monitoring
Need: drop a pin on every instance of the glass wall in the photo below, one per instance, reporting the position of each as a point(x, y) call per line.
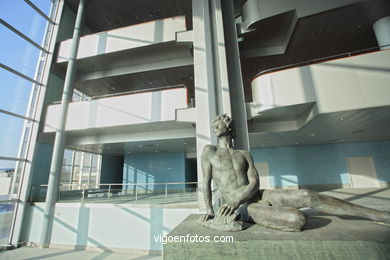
point(80, 170)
point(23, 26)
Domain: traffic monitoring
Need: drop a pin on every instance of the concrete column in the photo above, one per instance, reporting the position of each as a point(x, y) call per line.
point(59, 142)
point(204, 78)
point(236, 86)
point(382, 32)
point(214, 52)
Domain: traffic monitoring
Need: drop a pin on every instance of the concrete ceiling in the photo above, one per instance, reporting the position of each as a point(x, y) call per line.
point(104, 15)
point(372, 124)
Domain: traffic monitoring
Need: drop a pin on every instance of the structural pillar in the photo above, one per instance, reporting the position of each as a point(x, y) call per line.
point(236, 87)
point(59, 142)
point(214, 52)
point(382, 32)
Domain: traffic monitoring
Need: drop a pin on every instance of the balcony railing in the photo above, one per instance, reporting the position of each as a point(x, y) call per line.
point(133, 107)
point(139, 193)
point(322, 59)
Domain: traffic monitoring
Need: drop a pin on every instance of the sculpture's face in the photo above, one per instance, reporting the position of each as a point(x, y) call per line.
point(220, 128)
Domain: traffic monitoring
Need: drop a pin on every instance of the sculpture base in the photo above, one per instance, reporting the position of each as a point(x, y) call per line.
point(324, 237)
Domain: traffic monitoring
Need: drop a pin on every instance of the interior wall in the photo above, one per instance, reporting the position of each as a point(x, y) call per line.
point(321, 164)
point(105, 226)
point(154, 168)
point(41, 165)
point(111, 169)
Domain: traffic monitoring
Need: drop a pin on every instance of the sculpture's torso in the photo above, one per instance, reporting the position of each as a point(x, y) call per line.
point(229, 171)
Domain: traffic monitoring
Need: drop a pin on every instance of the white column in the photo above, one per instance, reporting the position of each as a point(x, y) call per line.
point(59, 141)
point(215, 82)
point(382, 32)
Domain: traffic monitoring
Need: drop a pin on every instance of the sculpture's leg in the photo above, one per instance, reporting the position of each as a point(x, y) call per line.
point(327, 204)
point(282, 218)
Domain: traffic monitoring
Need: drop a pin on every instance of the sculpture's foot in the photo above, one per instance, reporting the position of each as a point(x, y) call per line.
point(223, 223)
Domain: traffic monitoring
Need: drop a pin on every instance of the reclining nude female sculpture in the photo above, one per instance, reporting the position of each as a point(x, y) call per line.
point(237, 180)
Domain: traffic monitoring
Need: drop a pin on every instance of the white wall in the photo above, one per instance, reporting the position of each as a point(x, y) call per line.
point(349, 83)
point(158, 31)
point(106, 225)
point(121, 110)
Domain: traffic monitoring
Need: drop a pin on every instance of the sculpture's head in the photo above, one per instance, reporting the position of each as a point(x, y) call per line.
point(223, 125)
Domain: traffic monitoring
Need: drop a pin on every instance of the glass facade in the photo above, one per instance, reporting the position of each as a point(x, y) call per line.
point(80, 169)
point(23, 32)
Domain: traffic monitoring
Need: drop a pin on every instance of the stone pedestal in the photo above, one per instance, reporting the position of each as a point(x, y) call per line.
point(324, 237)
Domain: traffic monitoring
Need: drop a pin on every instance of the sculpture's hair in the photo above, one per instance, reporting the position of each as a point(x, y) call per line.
point(228, 121)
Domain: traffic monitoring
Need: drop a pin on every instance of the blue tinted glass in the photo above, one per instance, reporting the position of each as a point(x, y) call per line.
point(10, 135)
point(17, 53)
point(15, 93)
point(43, 5)
point(24, 18)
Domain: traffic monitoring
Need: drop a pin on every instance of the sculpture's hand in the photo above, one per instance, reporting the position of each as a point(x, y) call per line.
point(227, 209)
point(206, 217)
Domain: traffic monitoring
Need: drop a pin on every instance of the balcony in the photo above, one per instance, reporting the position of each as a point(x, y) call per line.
point(354, 82)
point(124, 110)
point(130, 37)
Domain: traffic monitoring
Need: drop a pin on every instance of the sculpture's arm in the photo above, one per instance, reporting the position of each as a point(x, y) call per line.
point(245, 194)
point(207, 176)
point(253, 179)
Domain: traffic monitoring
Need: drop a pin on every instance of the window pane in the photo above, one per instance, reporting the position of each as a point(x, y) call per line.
point(87, 159)
point(10, 177)
point(68, 155)
point(43, 5)
point(77, 159)
point(7, 173)
point(17, 53)
point(95, 160)
point(65, 175)
point(32, 25)
point(15, 93)
point(6, 215)
point(10, 135)
point(76, 174)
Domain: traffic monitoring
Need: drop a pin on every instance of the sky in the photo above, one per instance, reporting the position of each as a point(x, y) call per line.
point(20, 55)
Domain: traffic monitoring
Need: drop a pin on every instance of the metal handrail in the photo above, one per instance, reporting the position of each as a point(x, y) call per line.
point(9, 201)
point(84, 189)
point(323, 59)
point(130, 92)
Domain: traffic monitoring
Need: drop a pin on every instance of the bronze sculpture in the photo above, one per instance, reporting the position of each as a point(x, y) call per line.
point(238, 183)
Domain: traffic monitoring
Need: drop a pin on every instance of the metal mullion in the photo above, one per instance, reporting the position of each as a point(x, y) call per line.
point(22, 35)
point(39, 11)
point(81, 168)
point(90, 171)
point(12, 159)
point(19, 74)
point(72, 169)
point(98, 169)
point(16, 115)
